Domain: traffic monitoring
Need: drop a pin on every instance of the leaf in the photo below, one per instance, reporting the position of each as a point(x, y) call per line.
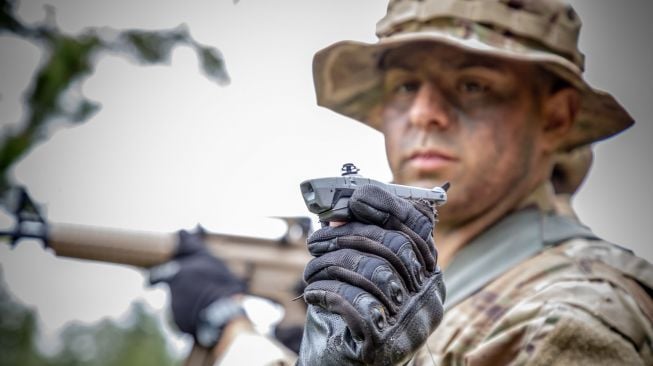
point(213, 64)
point(150, 46)
point(54, 93)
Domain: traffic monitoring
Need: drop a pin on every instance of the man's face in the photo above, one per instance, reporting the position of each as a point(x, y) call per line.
point(472, 120)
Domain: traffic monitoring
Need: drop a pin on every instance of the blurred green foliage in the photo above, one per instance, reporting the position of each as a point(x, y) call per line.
point(51, 98)
point(139, 341)
point(68, 60)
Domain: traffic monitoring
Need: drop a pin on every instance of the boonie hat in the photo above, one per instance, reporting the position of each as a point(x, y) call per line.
point(348, 80)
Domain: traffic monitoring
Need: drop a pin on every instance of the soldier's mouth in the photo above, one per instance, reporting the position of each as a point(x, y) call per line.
point(430, 160)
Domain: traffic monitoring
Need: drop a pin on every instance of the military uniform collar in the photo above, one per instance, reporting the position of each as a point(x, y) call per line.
point(516, 237)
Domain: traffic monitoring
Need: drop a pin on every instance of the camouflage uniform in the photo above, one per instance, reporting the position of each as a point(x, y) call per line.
point(579, 302)
point(537, 287)
point(571, 301)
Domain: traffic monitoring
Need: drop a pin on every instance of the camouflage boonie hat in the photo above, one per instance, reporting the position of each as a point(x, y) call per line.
point(570, 169)
point(348, 81)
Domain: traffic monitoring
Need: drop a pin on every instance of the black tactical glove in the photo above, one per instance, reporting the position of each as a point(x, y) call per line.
point(201, 286)
point(374, 290)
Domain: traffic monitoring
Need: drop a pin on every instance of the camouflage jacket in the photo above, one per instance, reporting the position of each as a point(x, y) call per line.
point(543, 291)
point(577, 300)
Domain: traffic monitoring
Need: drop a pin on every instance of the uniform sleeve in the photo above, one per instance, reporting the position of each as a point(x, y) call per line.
point(572, 322)
point(576, 320)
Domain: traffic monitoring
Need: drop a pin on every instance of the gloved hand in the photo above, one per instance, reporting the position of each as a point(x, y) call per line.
point(197, 281)
point(374, 290)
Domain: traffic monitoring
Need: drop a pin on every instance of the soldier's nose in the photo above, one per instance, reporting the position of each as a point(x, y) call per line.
point(430, 108)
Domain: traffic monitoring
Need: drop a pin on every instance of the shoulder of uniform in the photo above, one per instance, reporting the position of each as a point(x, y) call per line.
point(612, 302)
point(590, 277)
point(572, 321)
point(616, 257)
point(558, 334)
point(580, 258)
point(578, 338)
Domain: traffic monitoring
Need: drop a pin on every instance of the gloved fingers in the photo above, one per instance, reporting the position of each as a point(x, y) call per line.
point(346, 326)
point(195, 281)
point(189, 243)
point(362, 313)
point(393, 246)
point(425, 310)
point(164, 272)
point(205, 268)
point(370, 273)
point(373, 205)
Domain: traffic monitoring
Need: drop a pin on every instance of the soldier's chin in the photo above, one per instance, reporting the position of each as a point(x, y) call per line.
point(424, 182)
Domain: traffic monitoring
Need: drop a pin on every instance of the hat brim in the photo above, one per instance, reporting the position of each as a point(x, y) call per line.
point(348, 81)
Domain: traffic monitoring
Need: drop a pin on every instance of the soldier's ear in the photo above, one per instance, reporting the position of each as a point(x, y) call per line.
point(560, 111)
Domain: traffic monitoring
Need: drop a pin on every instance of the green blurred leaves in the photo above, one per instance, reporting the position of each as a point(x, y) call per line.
point(53, 97)
point(138, 341)
point(68, 60)
point(150, 47)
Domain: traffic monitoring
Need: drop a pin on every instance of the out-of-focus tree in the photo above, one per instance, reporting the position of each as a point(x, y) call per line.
point(54, 97)
point(17, 331)
point(139, 341)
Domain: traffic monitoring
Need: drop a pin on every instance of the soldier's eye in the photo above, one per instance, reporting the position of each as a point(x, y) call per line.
point(407, 87)
point(473, 87)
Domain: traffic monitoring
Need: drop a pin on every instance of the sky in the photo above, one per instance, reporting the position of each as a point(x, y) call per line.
point(170, 149)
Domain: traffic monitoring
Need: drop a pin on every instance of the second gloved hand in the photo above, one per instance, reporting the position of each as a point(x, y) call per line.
point(374, 290)
point(201, 288)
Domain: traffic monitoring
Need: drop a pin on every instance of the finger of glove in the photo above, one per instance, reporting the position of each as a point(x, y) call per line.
point(393, 246)
point(373, 205)
point(164, 272)
point(362, 313)
point(368, 272)
point(208, 269)
point(200, 280)
point(187, 302)
point(189, 243)
point(326, 340)
point(419, 318)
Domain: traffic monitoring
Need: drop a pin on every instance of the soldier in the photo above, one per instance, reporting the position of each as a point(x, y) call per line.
point(483, 94)
point(569, 172)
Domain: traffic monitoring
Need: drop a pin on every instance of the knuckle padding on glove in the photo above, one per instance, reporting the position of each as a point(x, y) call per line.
point(408, 331)
point(373, 205)
point(370, 273)
point(339, 298)
point(395, 247)
point(424, 318)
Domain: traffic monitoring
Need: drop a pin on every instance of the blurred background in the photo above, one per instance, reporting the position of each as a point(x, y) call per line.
point(221, 131)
